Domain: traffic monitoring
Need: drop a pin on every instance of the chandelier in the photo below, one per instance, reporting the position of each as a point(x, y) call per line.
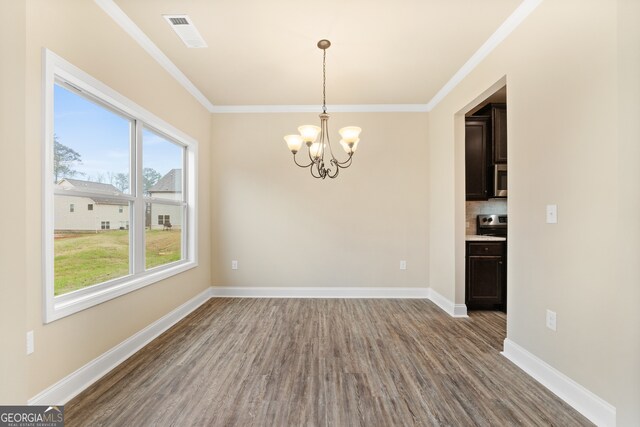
point(309, 135)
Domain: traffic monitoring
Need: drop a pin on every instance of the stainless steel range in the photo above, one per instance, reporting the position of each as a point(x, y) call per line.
point(492, 225)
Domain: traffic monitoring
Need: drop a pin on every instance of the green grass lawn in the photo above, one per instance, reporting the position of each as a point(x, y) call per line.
point(83, 260)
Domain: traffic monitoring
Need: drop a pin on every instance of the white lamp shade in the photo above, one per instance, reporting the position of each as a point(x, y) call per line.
point(315, 150)
point(294, 142)
point(350, 133)
point(346, 148)
point(309, 133)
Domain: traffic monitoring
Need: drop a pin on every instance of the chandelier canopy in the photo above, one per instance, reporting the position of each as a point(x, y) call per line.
point(318, 148)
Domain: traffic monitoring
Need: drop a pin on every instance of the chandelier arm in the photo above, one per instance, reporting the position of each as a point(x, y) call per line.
point(309, 153)
point(298, 164)
point(323, 170)
point(337, 169)
point(338, 162)
point(346, 163)
point(329, 140)
point(317, 168)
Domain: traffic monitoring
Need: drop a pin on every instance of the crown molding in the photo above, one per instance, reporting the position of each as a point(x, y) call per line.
point(507, 27)
point(341, 108)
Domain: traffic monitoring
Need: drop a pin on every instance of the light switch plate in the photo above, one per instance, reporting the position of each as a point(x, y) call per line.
point(403, 265)
point(234, 264)
point(552, 214)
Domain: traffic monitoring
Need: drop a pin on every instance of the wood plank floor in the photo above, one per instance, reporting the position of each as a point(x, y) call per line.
point(322, 362)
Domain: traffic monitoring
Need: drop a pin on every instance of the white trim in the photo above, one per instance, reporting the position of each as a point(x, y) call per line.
point(56, 307)
point(64, 390)
point(454, 310)
point(338, 108)
point(121, 18)
point(460, 310)
point(318, 292)
point(510, 24)
point(582, 400)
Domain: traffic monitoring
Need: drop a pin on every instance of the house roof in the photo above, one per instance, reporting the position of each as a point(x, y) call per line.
point(95, 188)
point(170, 183)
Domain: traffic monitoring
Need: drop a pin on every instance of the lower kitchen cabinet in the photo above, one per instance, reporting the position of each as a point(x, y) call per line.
point(486, 284)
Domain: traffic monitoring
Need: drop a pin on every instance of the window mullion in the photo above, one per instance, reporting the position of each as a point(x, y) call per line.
point(140, 208)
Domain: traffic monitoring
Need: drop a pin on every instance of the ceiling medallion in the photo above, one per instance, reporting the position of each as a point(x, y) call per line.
point(309, 134)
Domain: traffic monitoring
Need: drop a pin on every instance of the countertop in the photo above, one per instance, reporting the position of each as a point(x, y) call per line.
point(478, 238)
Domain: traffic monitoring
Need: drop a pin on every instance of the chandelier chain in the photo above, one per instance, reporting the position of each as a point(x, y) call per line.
point(324, 80)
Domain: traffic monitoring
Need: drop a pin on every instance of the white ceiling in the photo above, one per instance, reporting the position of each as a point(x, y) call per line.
point(264, 52)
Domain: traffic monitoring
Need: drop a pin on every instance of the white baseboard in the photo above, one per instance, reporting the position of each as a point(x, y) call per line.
point(582, 400)
point(318, 292)
point(454, 310)
point(71, 385)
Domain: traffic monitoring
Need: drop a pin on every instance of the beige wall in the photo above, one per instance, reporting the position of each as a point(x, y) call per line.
point(286, 228)
point(84, 35)
point(13, 315)
point(625, 323)
point(572, 142)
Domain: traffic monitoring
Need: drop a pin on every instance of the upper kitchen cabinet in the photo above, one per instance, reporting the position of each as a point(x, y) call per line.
point(498, 114)
point(477, 152)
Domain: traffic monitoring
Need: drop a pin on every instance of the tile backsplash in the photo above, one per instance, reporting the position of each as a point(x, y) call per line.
point(473, 209)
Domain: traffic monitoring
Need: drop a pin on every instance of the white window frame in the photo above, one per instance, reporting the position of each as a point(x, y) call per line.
point(57, 307)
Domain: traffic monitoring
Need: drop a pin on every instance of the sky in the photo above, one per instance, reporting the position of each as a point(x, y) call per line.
point(102, 138)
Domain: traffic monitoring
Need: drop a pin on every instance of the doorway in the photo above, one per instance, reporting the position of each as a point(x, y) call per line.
point(486, 219)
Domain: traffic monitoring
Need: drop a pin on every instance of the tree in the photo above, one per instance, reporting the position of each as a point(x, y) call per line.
point(64, 159)
point(149, 178)
point(121, 181)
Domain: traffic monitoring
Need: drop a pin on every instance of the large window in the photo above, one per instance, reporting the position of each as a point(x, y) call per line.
point(136, 176)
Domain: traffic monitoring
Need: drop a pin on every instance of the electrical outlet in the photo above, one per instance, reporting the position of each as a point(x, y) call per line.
point(403, 265)
point(234, 264)
point(552, 214)
point(30, 346)
point(551, 320)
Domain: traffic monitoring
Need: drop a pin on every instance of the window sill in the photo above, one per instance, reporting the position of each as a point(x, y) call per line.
point(65, 305)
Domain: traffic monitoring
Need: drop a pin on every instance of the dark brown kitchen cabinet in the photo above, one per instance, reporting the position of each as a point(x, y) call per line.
point(477, 133)
point(486, 275)
point(499, 134)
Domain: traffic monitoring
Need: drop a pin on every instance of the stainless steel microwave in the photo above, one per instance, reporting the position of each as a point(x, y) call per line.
point(500, 181)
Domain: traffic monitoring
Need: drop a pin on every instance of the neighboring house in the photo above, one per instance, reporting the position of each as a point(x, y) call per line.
point(95, 212)
point(168, 187)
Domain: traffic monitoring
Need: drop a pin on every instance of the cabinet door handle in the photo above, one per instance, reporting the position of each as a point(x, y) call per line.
point(486, 249)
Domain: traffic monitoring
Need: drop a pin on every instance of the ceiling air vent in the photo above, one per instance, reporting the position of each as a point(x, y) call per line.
point(185, 29)
point(179, 21)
